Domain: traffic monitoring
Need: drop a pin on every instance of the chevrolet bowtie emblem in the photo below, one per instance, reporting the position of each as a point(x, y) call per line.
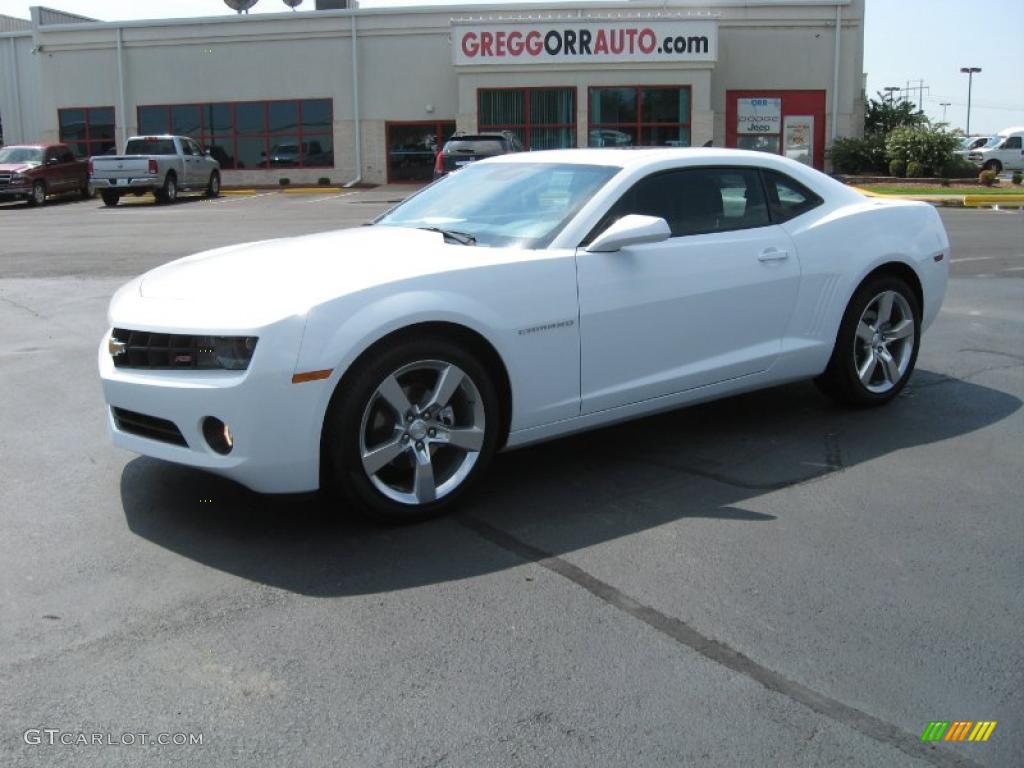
point(115, 347)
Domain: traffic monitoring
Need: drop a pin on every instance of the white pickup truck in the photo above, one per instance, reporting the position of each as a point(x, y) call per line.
point(163, 165)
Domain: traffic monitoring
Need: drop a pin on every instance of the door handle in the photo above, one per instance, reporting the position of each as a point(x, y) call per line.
point(773, 254)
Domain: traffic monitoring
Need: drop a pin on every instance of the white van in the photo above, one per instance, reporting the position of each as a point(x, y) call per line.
point(1006, 153)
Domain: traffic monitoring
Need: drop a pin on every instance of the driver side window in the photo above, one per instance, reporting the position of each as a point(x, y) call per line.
point(695, 201)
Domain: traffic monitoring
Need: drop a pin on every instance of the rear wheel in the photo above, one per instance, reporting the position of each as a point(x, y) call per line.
point(168, 193)
point(110, 199)
point(414, 428)
point(876, 348)
point(213, 188)
point(38, 194)
point(86, 191)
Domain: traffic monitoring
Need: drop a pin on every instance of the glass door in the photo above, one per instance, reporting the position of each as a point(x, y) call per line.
point(413, 148)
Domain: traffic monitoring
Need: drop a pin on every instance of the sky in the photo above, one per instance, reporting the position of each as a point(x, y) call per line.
point(904, 41)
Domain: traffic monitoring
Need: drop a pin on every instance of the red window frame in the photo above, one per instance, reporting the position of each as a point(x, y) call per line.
point(527, 126)
point(229, 138)
point(639, 124)
point(438, 133)
point(89, 141)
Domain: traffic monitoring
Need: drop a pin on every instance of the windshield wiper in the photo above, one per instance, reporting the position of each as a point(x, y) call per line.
point(462, 238)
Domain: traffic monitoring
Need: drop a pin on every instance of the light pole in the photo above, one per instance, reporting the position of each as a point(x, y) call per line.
point(970, 72)
point(891, 89)
point(944, 104)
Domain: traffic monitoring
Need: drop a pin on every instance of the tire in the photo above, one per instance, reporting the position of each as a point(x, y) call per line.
point(38, 194)
point(993, 165)
point(86, 191)
point(213, 188)
point(418, 473)
point(872, 361)
point(110, 199)
point(168, 193)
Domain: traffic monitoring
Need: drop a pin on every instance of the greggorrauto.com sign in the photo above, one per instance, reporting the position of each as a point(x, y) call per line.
point(583, 41)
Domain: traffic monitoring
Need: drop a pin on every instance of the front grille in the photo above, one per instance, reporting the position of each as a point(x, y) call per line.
point(148, 426)
point(174, 351)
point(5, 179)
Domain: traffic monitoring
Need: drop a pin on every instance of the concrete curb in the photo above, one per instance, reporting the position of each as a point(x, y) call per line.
point(955, 201)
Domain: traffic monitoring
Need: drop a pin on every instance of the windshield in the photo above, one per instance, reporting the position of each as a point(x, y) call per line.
point(993, 141)
point(503, 204)
point(21, 155)
point(150, 147)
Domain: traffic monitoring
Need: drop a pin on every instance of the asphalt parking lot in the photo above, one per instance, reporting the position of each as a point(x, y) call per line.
point(767, 580)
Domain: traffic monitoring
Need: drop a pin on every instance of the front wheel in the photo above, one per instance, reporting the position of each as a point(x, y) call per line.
point(414, 427)
point(38, 194)
point(876, 348)
point(993, 165)
point(213, 187)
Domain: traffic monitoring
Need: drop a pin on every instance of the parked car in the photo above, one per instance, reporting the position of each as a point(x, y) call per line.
point(523, 298)
point(970, 143)
point(290, 155)
point(32, 172)
point(462, 149)
point(163, 165)
point(609, 137)
point(1006, 152)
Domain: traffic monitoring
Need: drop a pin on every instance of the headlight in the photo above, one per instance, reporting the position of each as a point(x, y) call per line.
point(17, 177)
point(144, 349)
point(231, 352)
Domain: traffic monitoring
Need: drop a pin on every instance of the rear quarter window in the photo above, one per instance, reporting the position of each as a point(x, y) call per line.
point(787, 198)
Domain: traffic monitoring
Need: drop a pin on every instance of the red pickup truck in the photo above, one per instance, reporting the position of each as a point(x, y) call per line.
point(33, 171)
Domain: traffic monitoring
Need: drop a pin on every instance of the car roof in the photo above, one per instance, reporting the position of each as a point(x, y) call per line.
point(628, 157)
point(30, 146)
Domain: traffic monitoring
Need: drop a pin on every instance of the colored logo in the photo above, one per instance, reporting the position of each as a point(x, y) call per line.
point(959, 730)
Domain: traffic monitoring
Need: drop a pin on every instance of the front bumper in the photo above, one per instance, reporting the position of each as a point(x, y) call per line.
point(15, 192)
point(276, 424)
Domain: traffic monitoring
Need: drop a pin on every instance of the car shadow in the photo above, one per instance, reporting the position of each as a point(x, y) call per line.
point(51, 202)
point(569, 494)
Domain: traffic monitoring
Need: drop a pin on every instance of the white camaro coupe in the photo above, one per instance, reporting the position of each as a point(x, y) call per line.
point(522, 298)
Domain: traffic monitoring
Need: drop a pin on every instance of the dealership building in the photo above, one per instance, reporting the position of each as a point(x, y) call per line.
point(370, 94)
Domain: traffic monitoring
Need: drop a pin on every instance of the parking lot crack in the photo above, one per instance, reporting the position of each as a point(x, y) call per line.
point(721, 653)
point(23, 307)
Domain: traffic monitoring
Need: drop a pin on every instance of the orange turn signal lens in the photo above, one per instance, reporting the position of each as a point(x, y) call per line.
point(299, 378)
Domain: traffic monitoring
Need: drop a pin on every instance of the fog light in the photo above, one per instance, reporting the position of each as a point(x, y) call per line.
point(218, 435)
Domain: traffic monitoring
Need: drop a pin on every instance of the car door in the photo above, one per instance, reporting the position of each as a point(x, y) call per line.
point(71, 178)
point(709, 304)
point(189, 163)
point(1012, 153)
point(52, 172)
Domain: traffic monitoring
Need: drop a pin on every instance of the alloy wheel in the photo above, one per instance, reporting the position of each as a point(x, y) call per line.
point(422, 432)
point(884, 344)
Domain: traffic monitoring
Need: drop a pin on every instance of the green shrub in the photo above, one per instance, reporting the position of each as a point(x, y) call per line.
point(865, 155)
point(988, 178)
point(914, 170)
point(958, 168)
point(1016, 178)
point(931, 147)
point(898, 168)
point(284, 182)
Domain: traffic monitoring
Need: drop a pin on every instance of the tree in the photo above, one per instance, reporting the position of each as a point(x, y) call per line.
point(884, 115)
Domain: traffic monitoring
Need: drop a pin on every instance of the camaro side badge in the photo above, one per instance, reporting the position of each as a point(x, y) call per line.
point(115, 347)
point(548, 327)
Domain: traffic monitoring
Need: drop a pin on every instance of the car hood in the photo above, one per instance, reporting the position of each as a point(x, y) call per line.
point(17, 167)
point(257, 283)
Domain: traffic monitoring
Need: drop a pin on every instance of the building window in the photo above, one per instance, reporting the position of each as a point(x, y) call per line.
point(252, 134)
point(413, 148)
point(542, 118)
point(87, 131)
point(639, 116)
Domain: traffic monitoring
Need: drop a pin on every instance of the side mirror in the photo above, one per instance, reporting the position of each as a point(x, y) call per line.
point(53, 161)
point(207, 152)
point(633, 229)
